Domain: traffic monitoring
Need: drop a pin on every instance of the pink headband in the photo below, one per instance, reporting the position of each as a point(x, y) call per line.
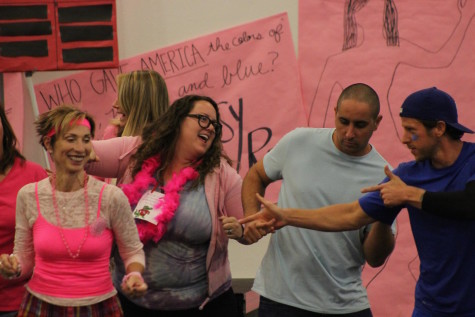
point(83, 122)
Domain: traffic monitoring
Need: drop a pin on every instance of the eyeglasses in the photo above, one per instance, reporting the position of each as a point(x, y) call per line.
point(205, 122)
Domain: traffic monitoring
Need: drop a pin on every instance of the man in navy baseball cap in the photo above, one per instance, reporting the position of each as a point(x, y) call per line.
point(432, 104)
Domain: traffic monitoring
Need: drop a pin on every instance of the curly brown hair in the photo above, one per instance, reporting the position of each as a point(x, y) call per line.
point(161, 137)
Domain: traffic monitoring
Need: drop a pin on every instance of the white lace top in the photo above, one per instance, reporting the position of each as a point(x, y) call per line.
point(115, 211)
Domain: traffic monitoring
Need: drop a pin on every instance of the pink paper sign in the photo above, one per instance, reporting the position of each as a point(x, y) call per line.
point(250, 70)
point(397, 47)
point(13, 102)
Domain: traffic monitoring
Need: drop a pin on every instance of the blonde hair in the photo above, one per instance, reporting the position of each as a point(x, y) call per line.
point(60, 119)
point(143, 97)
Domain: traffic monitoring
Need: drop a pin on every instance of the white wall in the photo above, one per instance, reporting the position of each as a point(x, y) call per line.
point(146, 25)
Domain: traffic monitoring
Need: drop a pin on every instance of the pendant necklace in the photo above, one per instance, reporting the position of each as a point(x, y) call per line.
point(58, 221)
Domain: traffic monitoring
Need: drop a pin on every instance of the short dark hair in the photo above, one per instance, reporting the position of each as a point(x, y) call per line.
point(362, 93)
point(451, 132)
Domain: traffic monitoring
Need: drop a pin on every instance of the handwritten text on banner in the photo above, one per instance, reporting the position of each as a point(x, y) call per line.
point(250, 70)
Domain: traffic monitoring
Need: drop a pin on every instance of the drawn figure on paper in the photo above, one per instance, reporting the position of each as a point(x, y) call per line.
point(363, 55)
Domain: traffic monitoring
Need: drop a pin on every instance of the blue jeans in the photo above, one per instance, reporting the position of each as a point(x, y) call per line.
point(269, 308)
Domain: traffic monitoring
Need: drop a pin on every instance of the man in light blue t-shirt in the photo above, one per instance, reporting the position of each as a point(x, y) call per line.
point(438, 190)
point(311, 273)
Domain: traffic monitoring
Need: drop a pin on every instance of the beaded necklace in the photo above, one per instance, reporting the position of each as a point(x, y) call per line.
point(58, 221)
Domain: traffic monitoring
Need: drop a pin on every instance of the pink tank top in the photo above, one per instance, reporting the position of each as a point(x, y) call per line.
point(56, 273)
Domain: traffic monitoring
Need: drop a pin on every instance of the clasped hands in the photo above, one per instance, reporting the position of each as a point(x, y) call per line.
point(9, 266)
point(134, 285)
point(271, 217)
point(258, 225)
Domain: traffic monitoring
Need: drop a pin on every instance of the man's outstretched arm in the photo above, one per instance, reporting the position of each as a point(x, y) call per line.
point(339, 217)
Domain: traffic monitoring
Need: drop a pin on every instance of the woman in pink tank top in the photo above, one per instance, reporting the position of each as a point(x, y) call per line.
point(66, 226)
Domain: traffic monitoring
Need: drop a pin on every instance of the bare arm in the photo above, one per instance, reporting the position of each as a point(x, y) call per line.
point(378, 244)
point(339, 217)
point(255, 181)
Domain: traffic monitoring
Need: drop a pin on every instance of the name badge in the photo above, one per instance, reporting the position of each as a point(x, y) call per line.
point(145, 207)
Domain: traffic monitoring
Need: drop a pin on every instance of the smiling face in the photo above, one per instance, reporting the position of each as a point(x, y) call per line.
point(71, 150)
point(194, 140)
point(355, 124)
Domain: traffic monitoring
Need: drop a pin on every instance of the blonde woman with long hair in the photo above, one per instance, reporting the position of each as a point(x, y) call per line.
point(142, 97)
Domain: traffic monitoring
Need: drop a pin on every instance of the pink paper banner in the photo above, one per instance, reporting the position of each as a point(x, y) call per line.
point(250, 70)
point(13, 95)
point(397, 47)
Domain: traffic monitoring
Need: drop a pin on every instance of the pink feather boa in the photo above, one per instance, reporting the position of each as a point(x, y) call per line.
point(169, 203)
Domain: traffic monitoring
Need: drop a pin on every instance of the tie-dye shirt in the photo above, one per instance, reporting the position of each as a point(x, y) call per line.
point(176, 271)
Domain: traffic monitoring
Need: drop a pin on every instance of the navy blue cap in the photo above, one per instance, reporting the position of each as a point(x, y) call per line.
point(432, 104)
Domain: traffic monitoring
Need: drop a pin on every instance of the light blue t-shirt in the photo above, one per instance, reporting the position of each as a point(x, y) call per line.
point(313, 270)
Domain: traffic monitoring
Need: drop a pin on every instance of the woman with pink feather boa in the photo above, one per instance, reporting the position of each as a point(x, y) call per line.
point(180, 184)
